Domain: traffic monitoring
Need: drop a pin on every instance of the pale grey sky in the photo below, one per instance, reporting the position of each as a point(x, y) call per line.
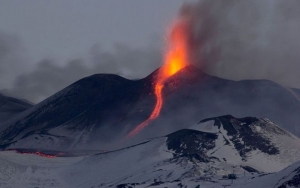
point(41, 39)
point(46, 45)
point(64, 29)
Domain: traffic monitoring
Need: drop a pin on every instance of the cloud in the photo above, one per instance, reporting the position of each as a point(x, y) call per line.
point(13, 59)
point(48, 77)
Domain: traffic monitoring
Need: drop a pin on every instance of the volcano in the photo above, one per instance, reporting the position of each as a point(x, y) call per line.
point(100, 110)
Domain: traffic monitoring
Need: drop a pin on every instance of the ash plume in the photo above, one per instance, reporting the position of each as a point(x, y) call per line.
point(249, 39)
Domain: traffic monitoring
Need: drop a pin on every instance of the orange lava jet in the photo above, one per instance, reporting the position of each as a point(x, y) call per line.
point(176, 58)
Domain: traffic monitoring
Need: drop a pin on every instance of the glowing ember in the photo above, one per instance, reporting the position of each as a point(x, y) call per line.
point(176, 58)
point(37, 153)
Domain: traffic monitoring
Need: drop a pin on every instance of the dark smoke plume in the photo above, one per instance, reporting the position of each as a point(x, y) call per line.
point(249, 39)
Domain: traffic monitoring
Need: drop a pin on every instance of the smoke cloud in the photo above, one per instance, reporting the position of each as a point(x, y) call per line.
point(47, 77)
point(249, 39)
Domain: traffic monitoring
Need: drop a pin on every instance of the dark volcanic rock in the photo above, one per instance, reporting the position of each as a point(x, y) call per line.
point(294, 181)
point(243, 136)
point(191, 144)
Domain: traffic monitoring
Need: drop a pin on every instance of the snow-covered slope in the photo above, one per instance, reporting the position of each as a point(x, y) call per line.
point(199, 156)
point(258, 143)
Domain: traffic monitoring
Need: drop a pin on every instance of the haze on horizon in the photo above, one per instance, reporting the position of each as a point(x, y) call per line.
point(47, 45)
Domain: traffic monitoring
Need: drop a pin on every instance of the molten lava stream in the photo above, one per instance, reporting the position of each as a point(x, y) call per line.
point(155, 112)
point(176, 58)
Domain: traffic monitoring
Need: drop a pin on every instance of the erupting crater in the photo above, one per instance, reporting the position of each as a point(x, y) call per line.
point(176, 58)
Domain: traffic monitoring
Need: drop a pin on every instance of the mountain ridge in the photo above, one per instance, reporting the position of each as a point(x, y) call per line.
point(9, 107)
point(110, 106)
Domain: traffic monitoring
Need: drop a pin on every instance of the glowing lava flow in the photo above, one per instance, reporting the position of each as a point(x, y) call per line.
point(176, 59)
point(37, 153)
point(155, 112)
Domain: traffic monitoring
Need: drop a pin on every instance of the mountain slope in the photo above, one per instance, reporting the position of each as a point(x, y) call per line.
point(101, 109)
point(193, 157)
point(9, 107)
point(86, 104)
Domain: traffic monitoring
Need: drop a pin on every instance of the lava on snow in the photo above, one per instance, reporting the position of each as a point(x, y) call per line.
point(54, 153)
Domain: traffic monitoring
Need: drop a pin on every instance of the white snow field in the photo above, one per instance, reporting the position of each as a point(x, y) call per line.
point(153, 164)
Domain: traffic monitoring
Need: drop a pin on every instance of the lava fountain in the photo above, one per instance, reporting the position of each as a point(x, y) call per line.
point(176, 58)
